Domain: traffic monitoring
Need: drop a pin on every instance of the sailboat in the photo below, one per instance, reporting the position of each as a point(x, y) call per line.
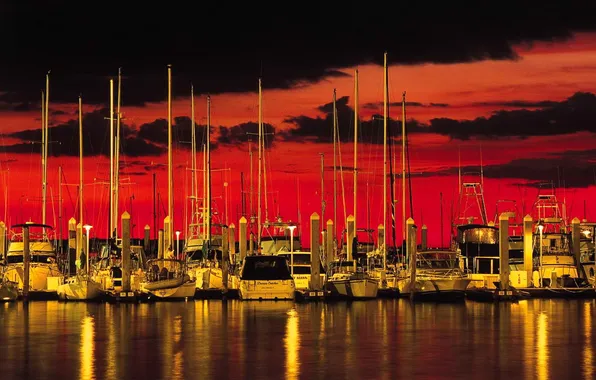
point(81, 287)
point(437, 275)
point(346, 278)
point(265, 276)
point(167, 277)
point(44, 274)
point(108, 268)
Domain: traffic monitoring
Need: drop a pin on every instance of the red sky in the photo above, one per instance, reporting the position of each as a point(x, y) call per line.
point(543, 72)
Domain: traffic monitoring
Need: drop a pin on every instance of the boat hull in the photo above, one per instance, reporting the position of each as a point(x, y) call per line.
point(266, 290)
point(80, 290)
point(365, 288)
point(39, 273)
point(179, 292)
point(440, 289)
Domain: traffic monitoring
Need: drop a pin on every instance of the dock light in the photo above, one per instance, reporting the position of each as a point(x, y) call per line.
point(87, 228)
point(540, 228)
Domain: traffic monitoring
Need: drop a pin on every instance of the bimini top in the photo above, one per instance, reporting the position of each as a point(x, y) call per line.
point(31, 224)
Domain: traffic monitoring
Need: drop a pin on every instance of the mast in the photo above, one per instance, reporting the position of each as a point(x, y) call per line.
point(111, 234)
point(385, 114)
point(265, 194)
point(59, 208)
point(251, 196)
point(334, 164)
point(43, 157)
point(322, 190)
point(193, 159)
point(208, 170)
point(117, 157)
point(81, 161)
point(403, 164)
point(44, 148)
point(170, 159)
point(260, 172)
point(355, 150)
point(204, 210)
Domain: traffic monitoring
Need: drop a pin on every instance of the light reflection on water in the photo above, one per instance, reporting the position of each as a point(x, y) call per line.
point(537, 339)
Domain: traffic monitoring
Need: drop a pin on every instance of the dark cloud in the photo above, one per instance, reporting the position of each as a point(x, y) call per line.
point(575, 114)
point(64, 139)
point(157, 133)
point(246, 132)
point(295, 45)
point(378, 106)
point(575, 169)
point(320, 129)
point(517, 104)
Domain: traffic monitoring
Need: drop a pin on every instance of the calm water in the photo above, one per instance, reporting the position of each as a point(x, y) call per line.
point(384, 339)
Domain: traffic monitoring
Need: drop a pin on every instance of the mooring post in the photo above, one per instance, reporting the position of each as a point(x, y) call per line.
point(225, 257)
point(330, 250)
point(528, 249)
point(424, 238)
point(147, 239)
point(411, 253)
point(575, 240)
point(26, 263)
point(160, 244)
point(126, 251)
point(351, 237)
point(3, 241)
point(242, 238)
point(315, 262)
point(232, 239)
point(504, 251)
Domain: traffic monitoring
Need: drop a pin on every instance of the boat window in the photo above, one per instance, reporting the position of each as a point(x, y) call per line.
point(266, 268)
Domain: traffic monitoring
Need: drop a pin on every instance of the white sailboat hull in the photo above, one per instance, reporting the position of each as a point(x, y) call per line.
point(80, 290)
point(266, 289)
point(180, 292)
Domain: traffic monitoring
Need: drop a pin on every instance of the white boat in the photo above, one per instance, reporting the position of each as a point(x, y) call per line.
point(167, 279)
point(300, 266)
point(350, 281)
point(266, 278)
point(79, 288)
point(44, 274)
point(108, 270)
point(438, 277)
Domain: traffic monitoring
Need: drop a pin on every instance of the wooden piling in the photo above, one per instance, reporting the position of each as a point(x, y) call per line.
point(351, 236)
point(126, 252)
point(411, 254)
point(3, 241)
point(225, 257)
point(330, 250)
point(504, 251)
point(575, 241)
point(80, 244)
point(160, 244)
point(242, 238)
point(167, 244)
point(26, 263)
point(424, 238)
point(528, 248)
point(72, 245)
point(251, 244)
point(315, 263)
point(147, 239)
point(232, 239)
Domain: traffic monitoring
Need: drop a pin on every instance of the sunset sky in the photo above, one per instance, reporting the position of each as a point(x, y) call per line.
point(520, 101)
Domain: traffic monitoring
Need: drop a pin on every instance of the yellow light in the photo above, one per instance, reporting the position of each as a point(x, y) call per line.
point(292, 345)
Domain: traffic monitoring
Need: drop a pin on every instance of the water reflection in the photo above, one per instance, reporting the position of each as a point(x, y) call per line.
point(87, 349)
point(542, 346)
point(588, 363)
point(292, 345)
point(383, 339)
